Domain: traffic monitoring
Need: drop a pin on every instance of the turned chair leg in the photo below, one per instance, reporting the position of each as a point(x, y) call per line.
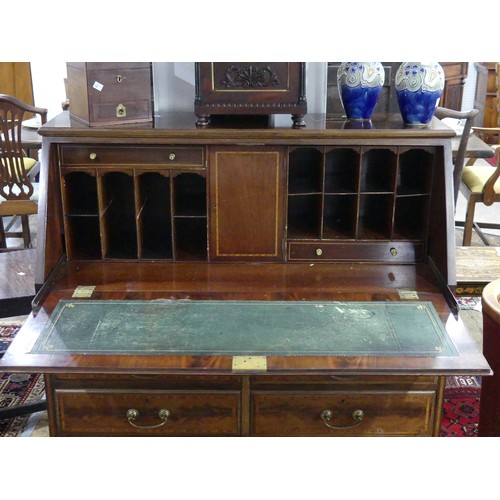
point(3, 240)
point(469, 223)
point(26, 231)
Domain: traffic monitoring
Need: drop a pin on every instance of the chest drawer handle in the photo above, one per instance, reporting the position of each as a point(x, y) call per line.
point(93, 156)
point(132, 415)
point(171, 156)
point(357, 416)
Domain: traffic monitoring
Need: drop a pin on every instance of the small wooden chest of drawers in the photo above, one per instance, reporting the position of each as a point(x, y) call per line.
point(110, 93)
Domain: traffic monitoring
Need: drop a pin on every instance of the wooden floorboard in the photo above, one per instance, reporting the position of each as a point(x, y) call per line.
point(473, 320)
point(17, 282)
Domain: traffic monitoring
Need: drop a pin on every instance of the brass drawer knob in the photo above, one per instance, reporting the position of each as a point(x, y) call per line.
point(132, 415)
point(394, 252)
point(171, 156)
point(93, 156)
point(357, 416)
point(319, 252)
point(119, 78)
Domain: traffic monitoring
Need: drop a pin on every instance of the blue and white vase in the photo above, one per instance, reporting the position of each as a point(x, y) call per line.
point(419, 86)
point(360, 84)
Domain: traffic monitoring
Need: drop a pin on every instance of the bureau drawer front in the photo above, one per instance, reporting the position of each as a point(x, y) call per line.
point(136, 382)
point(385, 413)
point(345, 382)
point(130, 155)
point(104, 413)
point(387, 251)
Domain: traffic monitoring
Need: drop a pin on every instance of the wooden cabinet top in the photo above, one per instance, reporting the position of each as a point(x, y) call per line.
point(180, 128)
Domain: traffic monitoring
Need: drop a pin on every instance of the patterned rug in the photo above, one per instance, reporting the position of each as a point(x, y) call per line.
point(462, 394)
point(17, 388)
point(461, 407)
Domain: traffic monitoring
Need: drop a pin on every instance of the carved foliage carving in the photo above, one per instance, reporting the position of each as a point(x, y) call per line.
point(250, 77)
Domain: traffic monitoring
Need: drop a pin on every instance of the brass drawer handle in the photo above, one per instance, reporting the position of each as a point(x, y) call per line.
point(319, 252)
point(121, 111)
point(132, 415)
point(120, 78)
point(93, 156)
point(171, 156)
point(357, 416)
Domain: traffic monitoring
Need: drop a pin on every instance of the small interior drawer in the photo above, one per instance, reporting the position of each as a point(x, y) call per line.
point(384, 413)
point(98, 412)
point(131, 155)
point(373, 251)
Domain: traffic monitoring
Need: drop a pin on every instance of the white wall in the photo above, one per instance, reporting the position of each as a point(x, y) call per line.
point(469, 88)
point(48, 85)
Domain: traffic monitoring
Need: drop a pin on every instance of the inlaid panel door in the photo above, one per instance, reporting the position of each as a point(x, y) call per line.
point(246, 203)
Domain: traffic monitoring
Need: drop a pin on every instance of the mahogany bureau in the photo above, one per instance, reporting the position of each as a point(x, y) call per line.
point(328, 213)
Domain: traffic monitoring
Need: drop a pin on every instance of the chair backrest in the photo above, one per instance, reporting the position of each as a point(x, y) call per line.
point(14, 181)
point(459, 160)
point(489, 193)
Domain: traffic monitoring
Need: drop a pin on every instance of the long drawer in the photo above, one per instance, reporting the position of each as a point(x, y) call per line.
point(132, 155)
point(101, 412)
point(342, 413)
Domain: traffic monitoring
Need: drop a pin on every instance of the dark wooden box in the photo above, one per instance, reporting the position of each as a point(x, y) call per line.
point(254, 88)
point(110, 93)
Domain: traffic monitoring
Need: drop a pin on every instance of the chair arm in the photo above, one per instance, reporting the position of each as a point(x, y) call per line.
point(441, 113)
point(489, 186)
point(486, 130)
point(26, 107)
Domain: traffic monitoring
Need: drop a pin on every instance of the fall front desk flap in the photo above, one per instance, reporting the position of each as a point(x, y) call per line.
point(238, 328)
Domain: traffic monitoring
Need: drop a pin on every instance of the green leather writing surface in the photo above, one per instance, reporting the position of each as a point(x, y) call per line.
point(235, 328)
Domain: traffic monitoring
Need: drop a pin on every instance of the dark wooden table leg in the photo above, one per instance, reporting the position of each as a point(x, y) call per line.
point(3, 240)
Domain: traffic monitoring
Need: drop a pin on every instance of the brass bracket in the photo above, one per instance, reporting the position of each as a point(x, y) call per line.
point(249, 363)
point(408, 294)
point(83, 292)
